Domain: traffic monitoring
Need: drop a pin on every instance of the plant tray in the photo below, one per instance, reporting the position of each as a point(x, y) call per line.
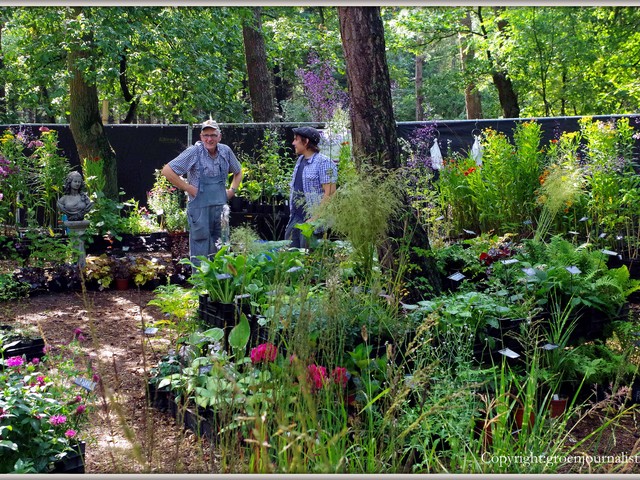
point(30, 347)
point(73, 462)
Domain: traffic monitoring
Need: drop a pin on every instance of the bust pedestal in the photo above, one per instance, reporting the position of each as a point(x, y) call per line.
point(76, 230)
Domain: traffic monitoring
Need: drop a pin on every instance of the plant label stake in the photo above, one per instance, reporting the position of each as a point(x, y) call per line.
point(510, 261)
point(549, 346)
point(507, 352)
point(573, 270)
point(530, 272)
point(151, 330)
point(85, 383)
point(456, 277)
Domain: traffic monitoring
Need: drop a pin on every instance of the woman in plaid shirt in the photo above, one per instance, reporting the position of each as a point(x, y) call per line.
point(313, 182)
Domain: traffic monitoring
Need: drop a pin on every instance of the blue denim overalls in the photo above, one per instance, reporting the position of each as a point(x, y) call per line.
point(204, 213)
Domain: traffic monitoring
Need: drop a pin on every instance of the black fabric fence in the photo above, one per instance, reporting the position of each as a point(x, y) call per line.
point(140, 149)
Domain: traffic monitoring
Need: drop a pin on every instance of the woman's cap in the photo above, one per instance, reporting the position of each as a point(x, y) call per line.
point(308, 132)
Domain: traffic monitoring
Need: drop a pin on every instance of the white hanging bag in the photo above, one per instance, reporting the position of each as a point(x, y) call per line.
point(476, 150)
point(436, 156)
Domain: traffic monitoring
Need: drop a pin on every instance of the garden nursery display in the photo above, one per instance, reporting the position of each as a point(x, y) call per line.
point(332, 359)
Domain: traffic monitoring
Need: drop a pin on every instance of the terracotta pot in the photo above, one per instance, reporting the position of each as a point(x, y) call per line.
point(122, 283)
point(519, 418)
point(557, 407)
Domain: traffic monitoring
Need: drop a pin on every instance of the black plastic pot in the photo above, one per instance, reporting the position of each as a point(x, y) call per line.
point(158, 398)
point(30, 347)
point(73, 461)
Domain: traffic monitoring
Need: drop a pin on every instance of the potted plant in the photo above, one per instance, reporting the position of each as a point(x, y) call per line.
point(122, 270)
point(100, 270)
point(146, 271)
point(223, 278)
point(168, 203)
point(44, 421)
point(18, 342)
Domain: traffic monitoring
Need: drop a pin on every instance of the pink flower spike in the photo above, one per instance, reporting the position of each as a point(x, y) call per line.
point(80, 410)
point(317, 376)
point(77, 332)
point(70, 433)
point(14, 361)
point(43, 129)
point(57, 420)
point(35, 360)
point(340, 376)
point(265, 352)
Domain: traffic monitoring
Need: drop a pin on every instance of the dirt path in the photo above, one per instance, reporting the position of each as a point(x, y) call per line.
point(128, 436)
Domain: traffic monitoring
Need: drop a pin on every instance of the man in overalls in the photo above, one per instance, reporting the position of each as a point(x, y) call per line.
point(207, 165)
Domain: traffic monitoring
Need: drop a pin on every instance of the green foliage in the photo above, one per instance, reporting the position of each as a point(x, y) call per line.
point(46, 248)
point(144, 270)
point(105, 216)
point(137, 219)
point(178, 302)
point(503, 188)
point(51, 171)
point(361, 210)
point(266, 175)
point(167, 202)
point(42, 414)
point(99, 268)
point(11, 289)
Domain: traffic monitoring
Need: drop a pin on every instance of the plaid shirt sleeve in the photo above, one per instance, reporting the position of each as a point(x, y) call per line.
point(327, 171)
point(183, 162)
point(234, 164)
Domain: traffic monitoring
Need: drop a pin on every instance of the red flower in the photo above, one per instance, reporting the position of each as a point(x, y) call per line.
point(340, 376)
point(265, 352)
point(317, 376)
point(469, 171)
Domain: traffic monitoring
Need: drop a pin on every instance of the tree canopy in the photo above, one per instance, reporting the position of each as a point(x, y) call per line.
point(179, 64)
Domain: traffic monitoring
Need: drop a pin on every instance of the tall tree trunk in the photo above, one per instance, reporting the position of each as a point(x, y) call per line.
point(373, 129)
point(46, 105)
point(3, 91)
point(126, 93)
point(419, 95)
point(84, 119)
point(472, 100)
point(563, 98)
point(261, 88)
point(506, 93)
